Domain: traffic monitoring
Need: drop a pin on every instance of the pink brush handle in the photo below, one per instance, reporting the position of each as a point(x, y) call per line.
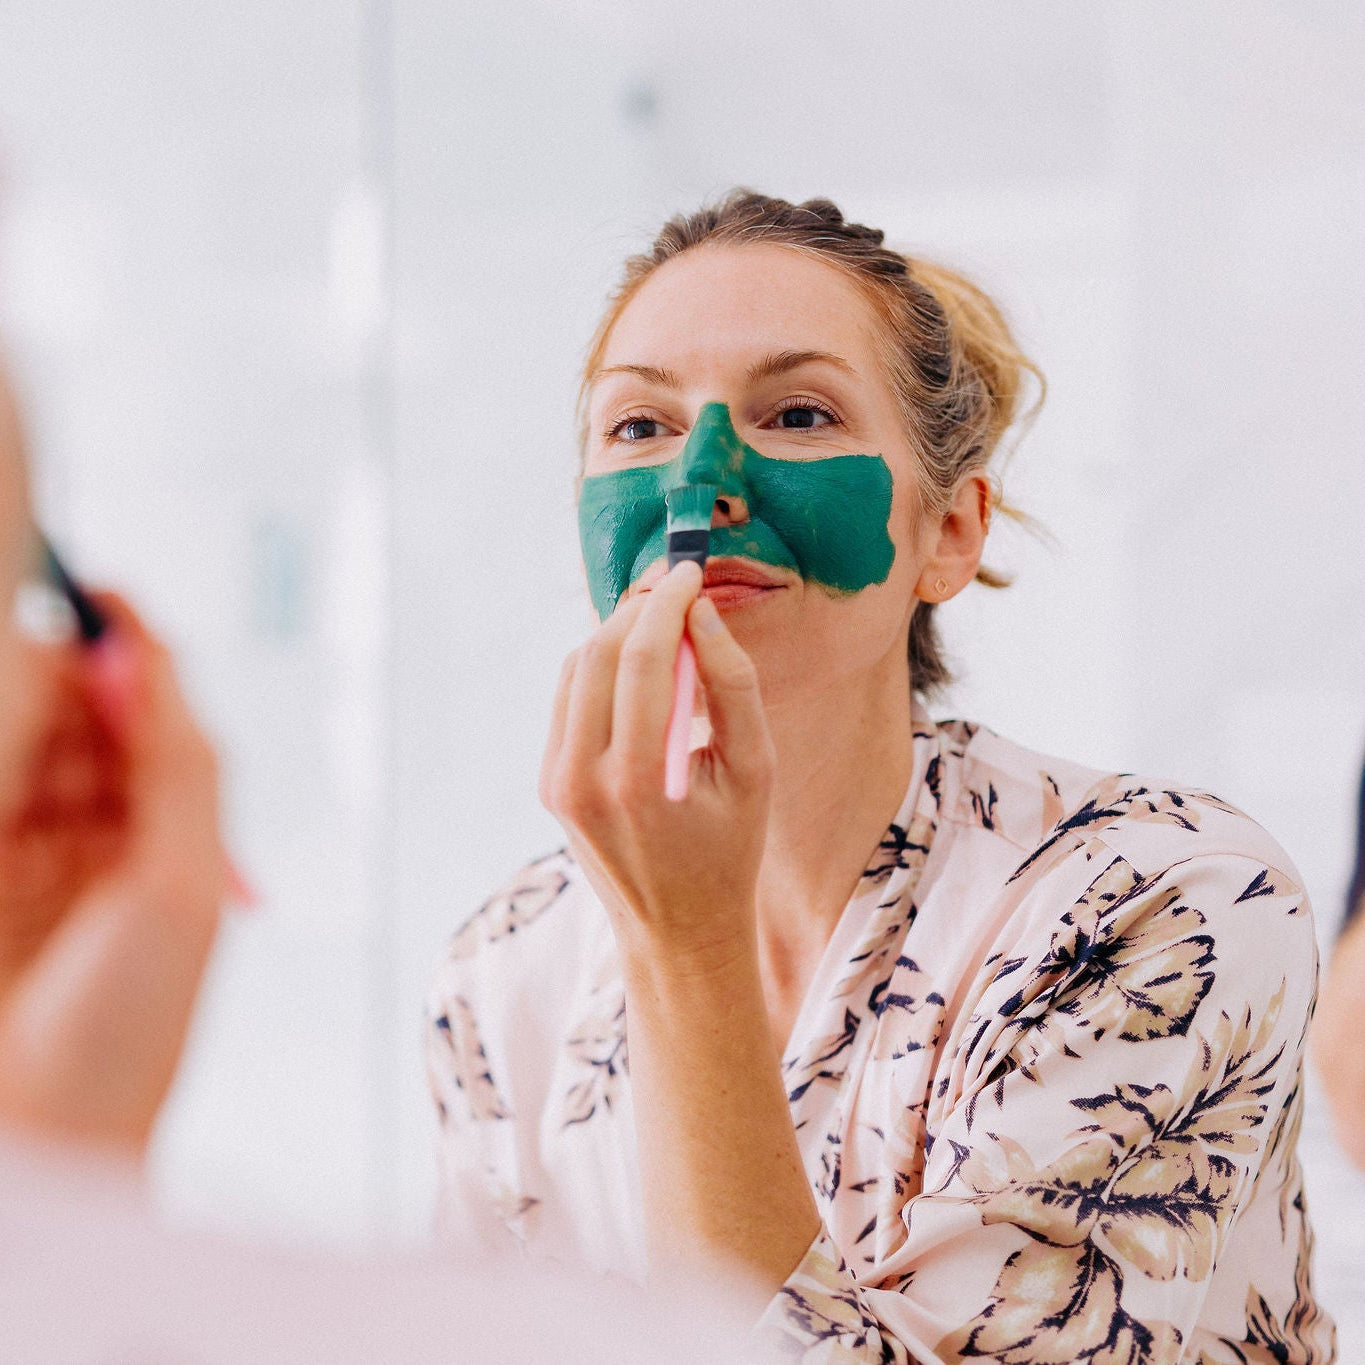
point(678, 755)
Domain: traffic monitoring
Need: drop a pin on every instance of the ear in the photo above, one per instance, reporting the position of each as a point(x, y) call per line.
point(956, 544)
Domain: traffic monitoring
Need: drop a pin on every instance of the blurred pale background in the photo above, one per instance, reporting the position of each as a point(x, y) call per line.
point(297, 291)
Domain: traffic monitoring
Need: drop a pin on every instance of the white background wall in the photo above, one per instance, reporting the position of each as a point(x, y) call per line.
point(297, 292)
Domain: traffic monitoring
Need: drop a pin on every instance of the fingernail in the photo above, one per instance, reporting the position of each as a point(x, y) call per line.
point(113, 674)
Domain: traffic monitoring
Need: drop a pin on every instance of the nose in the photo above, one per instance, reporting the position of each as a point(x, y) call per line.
point(729, 510)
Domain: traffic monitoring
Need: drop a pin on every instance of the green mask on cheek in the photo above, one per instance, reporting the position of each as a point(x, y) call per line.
point(826, 519)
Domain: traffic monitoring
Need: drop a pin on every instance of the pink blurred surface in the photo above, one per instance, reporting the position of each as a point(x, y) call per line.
point(87, 1276)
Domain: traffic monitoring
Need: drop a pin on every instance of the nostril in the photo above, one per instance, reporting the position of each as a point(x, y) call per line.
point(729, 512)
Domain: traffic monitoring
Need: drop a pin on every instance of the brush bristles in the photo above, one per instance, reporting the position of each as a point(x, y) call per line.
point(689, 523)
point(689, 509)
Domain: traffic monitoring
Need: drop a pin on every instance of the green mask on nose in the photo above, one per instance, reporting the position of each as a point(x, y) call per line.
point(827, 519)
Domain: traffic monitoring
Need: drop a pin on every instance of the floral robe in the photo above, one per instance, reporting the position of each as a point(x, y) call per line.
point(1046, 1080)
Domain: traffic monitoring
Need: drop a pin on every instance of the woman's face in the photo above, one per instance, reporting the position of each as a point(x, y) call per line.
point(789, 345)
point(17, 682)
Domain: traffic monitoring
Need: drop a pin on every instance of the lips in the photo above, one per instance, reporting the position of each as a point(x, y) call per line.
point(728, 582)
point(737, 573)
point(731, 583)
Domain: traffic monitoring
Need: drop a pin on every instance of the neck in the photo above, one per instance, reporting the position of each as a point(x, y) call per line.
point(844, 757)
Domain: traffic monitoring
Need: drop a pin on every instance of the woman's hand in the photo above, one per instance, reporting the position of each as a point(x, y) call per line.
point(674, 876)
point(721, 1174)
point(112, 871)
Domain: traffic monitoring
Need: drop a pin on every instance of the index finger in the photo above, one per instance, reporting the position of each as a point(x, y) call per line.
point(644, 675)
point(734, 703)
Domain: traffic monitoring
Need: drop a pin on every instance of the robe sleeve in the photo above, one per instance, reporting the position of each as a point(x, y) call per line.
point(1127, 1079)
point(467, 1102)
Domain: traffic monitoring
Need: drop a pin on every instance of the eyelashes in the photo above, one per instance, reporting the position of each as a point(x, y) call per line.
point(796, 403)
point(801, 404)
point(614, 431)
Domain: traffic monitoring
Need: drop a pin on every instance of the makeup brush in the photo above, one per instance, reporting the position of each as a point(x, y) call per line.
point(90, 621)
point(688, 537)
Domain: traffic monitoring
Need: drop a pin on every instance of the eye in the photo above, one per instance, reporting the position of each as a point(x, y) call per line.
point(634, 427)
point(803, 414)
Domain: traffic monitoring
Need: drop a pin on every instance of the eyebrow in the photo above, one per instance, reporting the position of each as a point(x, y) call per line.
point(774, 364)
point(651, 374)
point(779, 362)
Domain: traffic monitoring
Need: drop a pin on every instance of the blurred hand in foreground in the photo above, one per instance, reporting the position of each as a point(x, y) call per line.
point(112, 872)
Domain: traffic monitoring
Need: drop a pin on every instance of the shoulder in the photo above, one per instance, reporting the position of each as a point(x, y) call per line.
point(991, 783)
point(1050, 808)
point(522, 901)
point(1145, 912)
point(531, 922)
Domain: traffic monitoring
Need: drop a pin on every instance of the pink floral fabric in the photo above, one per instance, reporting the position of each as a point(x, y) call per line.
point(1046, 1080)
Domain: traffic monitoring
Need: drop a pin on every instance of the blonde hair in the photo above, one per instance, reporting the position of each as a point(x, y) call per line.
point(958, 373)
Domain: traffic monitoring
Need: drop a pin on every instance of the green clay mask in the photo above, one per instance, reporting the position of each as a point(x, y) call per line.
point(826, 519)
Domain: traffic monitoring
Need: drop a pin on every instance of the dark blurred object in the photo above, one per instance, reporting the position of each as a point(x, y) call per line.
point(1355, 896)
point(90, 621)
point(1339, 1031)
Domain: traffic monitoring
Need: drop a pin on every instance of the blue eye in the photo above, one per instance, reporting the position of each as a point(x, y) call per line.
point(805, 415)
point(635, 429)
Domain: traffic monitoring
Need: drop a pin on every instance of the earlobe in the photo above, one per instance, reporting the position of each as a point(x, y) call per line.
point(933, 587)
point(961, 539)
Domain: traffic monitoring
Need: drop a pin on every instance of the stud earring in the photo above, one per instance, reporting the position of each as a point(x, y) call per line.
point(941, 586)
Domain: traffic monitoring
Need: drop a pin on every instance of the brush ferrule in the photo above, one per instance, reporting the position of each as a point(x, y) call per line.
point(692, 545)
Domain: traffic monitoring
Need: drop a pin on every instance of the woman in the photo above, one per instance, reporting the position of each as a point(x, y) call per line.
point(953, 1050)
point(111, 863)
